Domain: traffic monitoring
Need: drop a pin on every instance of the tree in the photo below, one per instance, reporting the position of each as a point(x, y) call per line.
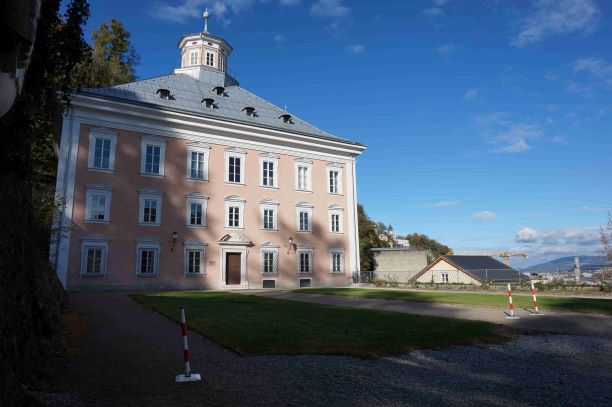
point(426, 243)
point(113, 58)
point(605, 234)
point(368, 238)
point(32, 298)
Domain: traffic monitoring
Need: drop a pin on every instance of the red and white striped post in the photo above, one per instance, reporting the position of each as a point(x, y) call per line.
point(187, 376)
point(535, 301)
point(511, 316)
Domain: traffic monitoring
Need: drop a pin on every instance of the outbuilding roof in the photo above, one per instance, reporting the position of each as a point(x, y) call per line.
point(481, 268)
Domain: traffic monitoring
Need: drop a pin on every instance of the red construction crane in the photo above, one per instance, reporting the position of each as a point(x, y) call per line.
point(506, 256)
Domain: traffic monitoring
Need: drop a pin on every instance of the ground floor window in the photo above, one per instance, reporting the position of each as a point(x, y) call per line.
point(147, 257)
point(337, 261)
point(93, 255)
point(445, 277)
point(304, 259)
point(269, 262)
point(195, 258)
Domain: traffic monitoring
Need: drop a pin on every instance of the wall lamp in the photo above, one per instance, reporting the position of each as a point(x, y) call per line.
point(292, 246)
point(174, 237)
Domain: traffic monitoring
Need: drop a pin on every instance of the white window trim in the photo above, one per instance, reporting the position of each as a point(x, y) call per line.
point(337, 250)
point(146, 193)
point(335, 210)
point(305, 248)
point(148, 243)
point(194, 245)
point(94, 242)
point(273, 248)
point(302, 162)
point(156, 142)
point(237, 153)
point(198, 148)
point(98, 189)
point(195, 198)
point(442, 278)
point(269, 204)
point(271, 158)
point(197, 58)
point(101, 133)
point(234, 200)
point(303, 207)
point(212, 54)
point(334, 167)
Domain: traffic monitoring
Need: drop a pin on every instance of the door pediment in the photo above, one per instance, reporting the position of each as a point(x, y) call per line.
point(234, 239)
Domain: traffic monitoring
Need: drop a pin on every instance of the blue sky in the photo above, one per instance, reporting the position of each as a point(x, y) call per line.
point(488, 123)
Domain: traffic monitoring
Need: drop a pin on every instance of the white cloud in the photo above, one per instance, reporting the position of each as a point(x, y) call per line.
point(433, 12)
point(470, 94)
point(443, 204)
point(559, 242)
point(508, 136)
point(484, 215)
point(592, 209)
point(447, 50)
point(355, 48)
point(526, 235)
point(288, 2)
point(440, 3)
point(279, 38)
point(553, 17)
point(329, 8)
point(597, 71)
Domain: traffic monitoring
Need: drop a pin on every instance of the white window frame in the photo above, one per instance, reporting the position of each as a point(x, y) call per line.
point(269, 158)
point(149, 194)
point(301, 250)
point(95, 242)
point(269, 204)
point(212, 58)
point(193, 245)
point(338, 211)
point(272, 248)
point(303, 162)
point(107, 134)
point(195, 198)
point(98, 189)
point(155, 142)
point(198, 148)
point(444, 276)
point(337, 168)
point(148, 243)
point(234, 201)
point(336, 251)
point(193, 52)
point(307, 208)
point(236, 153)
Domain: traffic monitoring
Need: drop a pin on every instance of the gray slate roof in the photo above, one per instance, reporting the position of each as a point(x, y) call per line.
point(187, 94)
point(469, 262)
point(482, 268)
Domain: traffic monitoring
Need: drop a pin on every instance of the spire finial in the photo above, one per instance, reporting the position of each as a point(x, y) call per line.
point(206, 15)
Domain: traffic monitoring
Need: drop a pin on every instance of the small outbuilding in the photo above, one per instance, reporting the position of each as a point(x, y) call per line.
point(399, 263)
point(468, 269)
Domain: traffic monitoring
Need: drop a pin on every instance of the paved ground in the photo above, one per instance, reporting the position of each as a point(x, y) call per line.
point(127, 355)
point(551, 322)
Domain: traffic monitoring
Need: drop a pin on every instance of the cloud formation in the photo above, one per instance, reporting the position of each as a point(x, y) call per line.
point(592, 209)
point(443, 204)
point(526, 235)
point(470, 94)
point(508, 136)
point(555, 17)
point(447, 50)
point(329, 8)
point(355, 48)
point(484, 215)
point(559, 242)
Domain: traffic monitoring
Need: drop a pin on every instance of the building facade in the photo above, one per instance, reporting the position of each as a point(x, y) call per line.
point(188, 181)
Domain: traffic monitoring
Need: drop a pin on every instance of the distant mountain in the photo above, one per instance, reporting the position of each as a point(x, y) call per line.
point(565, 264)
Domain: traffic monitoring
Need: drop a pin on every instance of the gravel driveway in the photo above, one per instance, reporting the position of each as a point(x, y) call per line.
point(129, 355)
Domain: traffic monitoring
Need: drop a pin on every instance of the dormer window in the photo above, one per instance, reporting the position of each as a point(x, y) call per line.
point(220, 90)
point(209, 103)
point(250, 111)
point(163, 93)
point(286, 118)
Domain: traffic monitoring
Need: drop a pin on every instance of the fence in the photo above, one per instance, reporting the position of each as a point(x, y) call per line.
point(471, 277)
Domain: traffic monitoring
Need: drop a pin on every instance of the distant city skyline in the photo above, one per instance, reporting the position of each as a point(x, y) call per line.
point(487, 123)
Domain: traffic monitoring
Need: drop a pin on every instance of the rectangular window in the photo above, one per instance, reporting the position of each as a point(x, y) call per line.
point(445, 277)
point(334, 177)
point(97, 207)
point(303, 178)
point(268, 219)
point(94, 258)
point(337, 262)
point(102, 153)
point(304, 221)
point(268, 174)
point(234, 217)
point(147, 261)
point(335, 223)
point(152, 159)
point(194, 261)
point(193, 57)
point(197, 165)
point(149, 211)
point(210, 58)
point(195, 216)
point(234, 169)
point(268, 266)
point(305, 265)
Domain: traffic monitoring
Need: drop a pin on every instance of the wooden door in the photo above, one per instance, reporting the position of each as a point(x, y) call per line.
point(232, 268)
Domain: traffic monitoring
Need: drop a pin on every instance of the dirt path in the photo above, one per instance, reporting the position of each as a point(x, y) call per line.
point(552, 322)
point(127, 355)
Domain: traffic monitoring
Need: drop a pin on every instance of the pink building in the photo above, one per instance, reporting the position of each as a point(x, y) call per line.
point(188, 181)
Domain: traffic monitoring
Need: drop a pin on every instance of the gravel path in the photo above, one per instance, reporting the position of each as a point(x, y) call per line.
point(552, 322)
point(129, 355)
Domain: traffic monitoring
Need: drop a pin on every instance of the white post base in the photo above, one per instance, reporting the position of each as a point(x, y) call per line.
point(194, 377)
point(536, 313)
point(509, 317)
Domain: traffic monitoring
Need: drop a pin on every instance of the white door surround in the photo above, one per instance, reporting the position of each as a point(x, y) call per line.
point(234, 243)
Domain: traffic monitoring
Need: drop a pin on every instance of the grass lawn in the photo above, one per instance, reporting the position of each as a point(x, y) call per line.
point(256, 325)
point(589, 305)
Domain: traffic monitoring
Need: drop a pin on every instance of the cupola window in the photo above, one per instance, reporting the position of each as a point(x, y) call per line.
point(210, 58)
point(194, 56)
